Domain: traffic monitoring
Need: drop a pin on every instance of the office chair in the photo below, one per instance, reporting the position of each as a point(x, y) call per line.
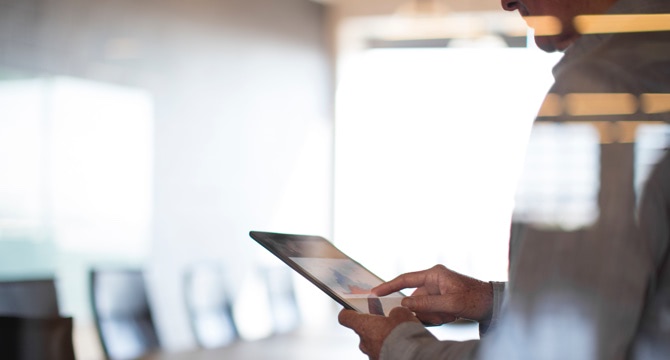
point(282, 299)
point(30, 324)
point(32, 338)
point(29, 298)
point(122, 313)
point(209, 305)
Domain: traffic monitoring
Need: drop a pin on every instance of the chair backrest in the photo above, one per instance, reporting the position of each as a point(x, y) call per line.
point(282, 298)
point(209, 305)
point(122, 313)
point(29, 298)
point(31, 338)
point(30, 325)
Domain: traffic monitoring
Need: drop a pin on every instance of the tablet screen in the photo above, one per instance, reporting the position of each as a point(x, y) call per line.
point(339, 276)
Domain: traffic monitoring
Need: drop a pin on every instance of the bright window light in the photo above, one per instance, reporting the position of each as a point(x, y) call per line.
point(429, 148)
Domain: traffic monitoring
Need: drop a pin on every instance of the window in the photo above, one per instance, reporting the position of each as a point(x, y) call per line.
point(76, 165)
point(429, 147)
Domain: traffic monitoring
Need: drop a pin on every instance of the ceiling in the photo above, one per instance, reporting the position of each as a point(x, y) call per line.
point(347, 8)
point(403, 20)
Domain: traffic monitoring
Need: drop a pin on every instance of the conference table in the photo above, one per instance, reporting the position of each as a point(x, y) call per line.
point(332, 343)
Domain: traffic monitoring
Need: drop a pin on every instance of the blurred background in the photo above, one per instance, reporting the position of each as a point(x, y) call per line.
point(153, 135)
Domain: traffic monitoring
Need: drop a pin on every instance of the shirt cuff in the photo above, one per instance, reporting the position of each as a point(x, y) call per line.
point(410, 340)
point(498, 296)
point(405, 341)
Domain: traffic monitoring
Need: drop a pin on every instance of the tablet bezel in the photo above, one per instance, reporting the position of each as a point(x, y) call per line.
point(264, 239)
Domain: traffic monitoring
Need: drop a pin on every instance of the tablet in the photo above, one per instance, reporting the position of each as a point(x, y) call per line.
point(331, 270)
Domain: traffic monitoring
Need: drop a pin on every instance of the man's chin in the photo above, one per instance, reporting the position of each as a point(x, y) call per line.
point(546, 43)
point(553, 43)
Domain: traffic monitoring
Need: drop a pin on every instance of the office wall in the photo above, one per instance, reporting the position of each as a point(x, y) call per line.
point(242, 107)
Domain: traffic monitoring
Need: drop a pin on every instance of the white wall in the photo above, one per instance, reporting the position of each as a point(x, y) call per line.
point(229, 144)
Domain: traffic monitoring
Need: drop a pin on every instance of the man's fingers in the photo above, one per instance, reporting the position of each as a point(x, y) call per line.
point(348, 318)
point(404, 281)
point(430, 303)
point(401, 314)
point(435, 318)
point(430, 318)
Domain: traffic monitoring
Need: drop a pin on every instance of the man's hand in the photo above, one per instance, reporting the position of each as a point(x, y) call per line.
point(373, 329)
point(442, 295)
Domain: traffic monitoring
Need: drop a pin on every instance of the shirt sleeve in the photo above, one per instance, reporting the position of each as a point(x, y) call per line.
point(412, 341)
point(498, 295)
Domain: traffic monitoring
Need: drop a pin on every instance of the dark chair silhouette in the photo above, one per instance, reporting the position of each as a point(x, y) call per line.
point(29, 298)
point(209, 305)
point(122, 313)
point(34, 338)
point(30, 324)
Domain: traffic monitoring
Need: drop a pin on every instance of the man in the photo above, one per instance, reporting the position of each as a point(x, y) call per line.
point(598, 292)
